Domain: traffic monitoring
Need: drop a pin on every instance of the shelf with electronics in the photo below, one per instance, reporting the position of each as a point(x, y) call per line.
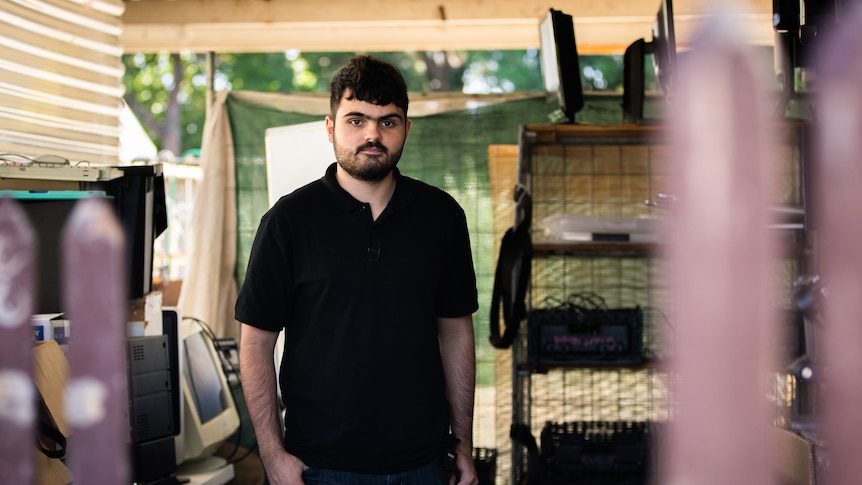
point(588, 354)
point(583, 284)
point(584, 288)
point(588, 348)
point(587, 359)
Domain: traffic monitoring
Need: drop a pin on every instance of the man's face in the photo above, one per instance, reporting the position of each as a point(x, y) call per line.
point(368, 138)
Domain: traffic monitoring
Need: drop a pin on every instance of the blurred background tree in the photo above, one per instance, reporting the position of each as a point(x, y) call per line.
point(167, 92)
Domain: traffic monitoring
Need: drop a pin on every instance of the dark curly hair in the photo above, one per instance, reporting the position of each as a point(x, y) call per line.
point(368, 79)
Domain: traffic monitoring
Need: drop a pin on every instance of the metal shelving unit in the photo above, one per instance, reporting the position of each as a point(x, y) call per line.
point(592, 171)
point(609, 171)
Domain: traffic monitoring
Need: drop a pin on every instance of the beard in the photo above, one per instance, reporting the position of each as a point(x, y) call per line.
point(361, 166)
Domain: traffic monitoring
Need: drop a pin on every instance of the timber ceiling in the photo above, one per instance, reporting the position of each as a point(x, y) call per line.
point(601, 26)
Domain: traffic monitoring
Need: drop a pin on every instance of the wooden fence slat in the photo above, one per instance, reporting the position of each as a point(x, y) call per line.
point(720, 257)
point(838, 188)
point(17, 391)
point(95, 296)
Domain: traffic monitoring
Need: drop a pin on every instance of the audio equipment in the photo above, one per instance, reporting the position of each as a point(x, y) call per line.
point(572, 335)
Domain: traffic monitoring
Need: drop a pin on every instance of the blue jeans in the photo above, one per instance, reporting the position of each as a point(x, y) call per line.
point(430, 474)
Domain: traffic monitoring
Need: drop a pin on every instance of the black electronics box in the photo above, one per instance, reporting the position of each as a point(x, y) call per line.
point(577, 336)
point(150, 388)
point(596, 452)
point(152, 392)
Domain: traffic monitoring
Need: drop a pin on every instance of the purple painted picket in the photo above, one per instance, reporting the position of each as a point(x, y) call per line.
point(96, 395)
point(95, 300)
point(839, 220)
point(720, 258)
point(17, 391)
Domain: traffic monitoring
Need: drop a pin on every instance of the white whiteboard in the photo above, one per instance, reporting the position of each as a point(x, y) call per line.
point(295, 156)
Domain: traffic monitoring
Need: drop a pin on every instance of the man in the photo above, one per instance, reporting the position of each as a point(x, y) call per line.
point(370, 275)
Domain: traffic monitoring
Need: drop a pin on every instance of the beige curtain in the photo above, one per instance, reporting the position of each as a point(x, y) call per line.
point(209, 289)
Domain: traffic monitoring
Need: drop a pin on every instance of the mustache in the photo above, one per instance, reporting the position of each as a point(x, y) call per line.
point(376, 145)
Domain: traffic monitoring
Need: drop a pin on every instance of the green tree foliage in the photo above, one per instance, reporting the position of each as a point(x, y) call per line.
point(167, 92)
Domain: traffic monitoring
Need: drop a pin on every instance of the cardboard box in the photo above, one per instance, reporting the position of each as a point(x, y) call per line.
point(147, 309)
point(51, 471)
point(32, 184)
point(171, 292)
point(50, 372)
point(799, 460)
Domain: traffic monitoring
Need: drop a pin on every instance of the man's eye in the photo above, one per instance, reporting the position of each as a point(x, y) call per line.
point(354, 122)
point(387, 124)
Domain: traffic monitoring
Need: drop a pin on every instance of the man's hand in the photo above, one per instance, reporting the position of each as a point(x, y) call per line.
point(466, 467)
point(284, 469)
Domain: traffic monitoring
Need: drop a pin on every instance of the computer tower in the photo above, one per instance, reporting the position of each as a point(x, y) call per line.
point(153, 373)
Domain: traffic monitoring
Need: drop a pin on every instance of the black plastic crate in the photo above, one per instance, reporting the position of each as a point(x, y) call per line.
point(485, 460)
point(577, 336)
point(587, 452)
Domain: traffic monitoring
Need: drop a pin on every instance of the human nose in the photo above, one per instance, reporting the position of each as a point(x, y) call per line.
point(372, 132)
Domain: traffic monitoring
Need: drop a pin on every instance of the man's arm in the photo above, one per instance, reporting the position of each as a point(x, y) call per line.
point(259, 386)
point(458, 350)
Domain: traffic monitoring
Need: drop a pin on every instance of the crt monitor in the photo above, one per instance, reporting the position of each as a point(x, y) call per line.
point(171, 328)
point(561, 68)
point(210, 415)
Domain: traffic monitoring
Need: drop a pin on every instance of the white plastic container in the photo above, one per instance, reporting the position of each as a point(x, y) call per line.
point(582, 228)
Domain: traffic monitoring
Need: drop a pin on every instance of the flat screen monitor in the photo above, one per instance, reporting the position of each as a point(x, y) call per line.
point(634, 80)
point(210, 415)
point(800, 26)
point(664, 46)
point(139, 201)
point(662, 50)
point(561, 68)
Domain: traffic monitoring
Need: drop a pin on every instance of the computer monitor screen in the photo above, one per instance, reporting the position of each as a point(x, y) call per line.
point(634, 80)
point(204, 380)
point(139, 201)
point(800, 27)
point(210, 413)
point(560, 64)
point(662, 50)
point(664, 46)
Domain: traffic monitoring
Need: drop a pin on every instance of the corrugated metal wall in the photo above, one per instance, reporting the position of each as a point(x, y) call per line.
point(61, 79)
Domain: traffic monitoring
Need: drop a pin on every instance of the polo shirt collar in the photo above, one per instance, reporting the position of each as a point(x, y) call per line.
point(402, 196)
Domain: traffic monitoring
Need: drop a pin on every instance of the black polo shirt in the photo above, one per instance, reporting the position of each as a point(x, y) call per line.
point(361, 375)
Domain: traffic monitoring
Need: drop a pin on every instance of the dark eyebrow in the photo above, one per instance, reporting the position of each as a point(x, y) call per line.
point(382, 118)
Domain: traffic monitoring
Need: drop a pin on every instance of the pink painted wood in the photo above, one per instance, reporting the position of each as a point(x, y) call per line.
point(17, 391)
point(95, 300)
point(720, 258)
point(839, 219)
